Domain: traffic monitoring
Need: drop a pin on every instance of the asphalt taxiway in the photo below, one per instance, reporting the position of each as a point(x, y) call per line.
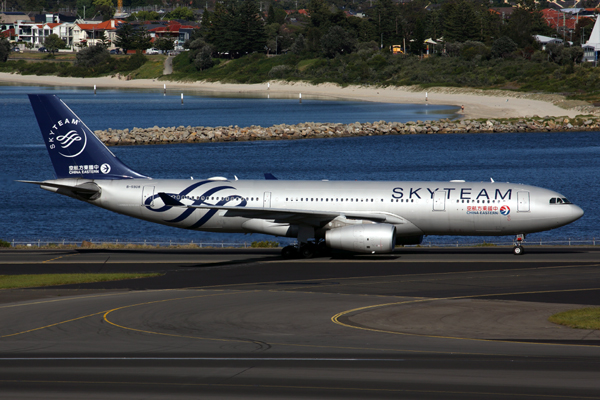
point(420, 323)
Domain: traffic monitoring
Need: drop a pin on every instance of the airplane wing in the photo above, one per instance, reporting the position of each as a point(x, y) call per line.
point(287, 214)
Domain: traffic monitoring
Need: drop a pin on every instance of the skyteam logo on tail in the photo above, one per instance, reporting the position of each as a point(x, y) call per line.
point(69, 142)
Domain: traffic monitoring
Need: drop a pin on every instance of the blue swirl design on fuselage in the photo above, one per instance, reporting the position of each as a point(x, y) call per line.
point(185, 214)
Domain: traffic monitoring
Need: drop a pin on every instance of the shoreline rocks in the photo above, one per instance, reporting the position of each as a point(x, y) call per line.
point(312, 130)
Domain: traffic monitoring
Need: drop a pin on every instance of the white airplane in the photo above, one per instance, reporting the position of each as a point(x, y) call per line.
point(362, 217)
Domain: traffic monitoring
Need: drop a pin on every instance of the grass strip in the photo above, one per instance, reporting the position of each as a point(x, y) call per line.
point(41, 280)
point(584, 318)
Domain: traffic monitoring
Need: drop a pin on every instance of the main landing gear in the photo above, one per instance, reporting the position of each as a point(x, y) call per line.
point(304, 250)
point(519, 250)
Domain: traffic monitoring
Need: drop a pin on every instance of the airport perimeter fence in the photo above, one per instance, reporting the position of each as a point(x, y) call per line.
point(245, 245)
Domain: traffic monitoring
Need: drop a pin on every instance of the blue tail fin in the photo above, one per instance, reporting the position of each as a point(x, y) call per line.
point(74, 150)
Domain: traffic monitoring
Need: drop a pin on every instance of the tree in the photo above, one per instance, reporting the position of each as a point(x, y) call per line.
point(236, 28)
point(164, 44)
point(53, 42)
point(125, 37)
point(298, 46)
point(205, 24)
point(130, 38)
point(271, 15)
point(4, 49)
point(181, 13)
point(503, 47)
point(337, 41)
point(204, 59)
point(92, 56)
point(385, 18)
point(106, 8)
point(144, 16)
point(523, 24)
point(461, 22)
point(319, 13)
point(104, 41)
point(141, 40)
point(251, 31)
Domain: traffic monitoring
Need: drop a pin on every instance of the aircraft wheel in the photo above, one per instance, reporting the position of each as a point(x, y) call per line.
point(289, 252)
point(518, 250)
point(307, 251)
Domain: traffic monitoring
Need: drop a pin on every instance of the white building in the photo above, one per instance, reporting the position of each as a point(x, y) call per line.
point(591, 48)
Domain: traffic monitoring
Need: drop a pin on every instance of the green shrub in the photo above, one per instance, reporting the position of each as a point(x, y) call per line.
point(265, 243)
point(4, 243)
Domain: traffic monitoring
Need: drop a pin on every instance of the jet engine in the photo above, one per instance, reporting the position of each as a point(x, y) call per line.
point(370, 238)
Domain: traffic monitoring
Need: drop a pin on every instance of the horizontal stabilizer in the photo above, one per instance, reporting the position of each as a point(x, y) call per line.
point(88, 188)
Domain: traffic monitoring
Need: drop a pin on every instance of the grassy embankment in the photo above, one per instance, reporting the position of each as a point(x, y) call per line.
point(44, 280)
point(579, 82)
point(585, 318)
point(366, 67)
point(63, 64)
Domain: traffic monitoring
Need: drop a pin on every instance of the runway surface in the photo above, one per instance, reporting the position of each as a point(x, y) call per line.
point(420, 323)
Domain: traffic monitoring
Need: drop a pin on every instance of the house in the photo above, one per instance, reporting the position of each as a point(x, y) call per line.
point(8, 20)
point(591, 48)
point(173, 30)
point(90, 34)
point(544, 40)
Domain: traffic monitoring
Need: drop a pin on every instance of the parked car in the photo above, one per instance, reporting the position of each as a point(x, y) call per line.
point(152, 51)
point(43, 50)
point(16, 49)
point(115, 51)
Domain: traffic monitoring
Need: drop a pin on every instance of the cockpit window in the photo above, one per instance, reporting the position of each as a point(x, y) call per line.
point(559, 200)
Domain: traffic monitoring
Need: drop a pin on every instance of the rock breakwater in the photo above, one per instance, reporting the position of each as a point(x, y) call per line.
point(312, 130)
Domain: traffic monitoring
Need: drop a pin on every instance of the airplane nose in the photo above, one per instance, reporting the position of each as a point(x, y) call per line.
point(577, 212)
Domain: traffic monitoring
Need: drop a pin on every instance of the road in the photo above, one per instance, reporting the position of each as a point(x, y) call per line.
point(420, 323)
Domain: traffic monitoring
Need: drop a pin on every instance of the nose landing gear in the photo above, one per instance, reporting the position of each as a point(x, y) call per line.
point(519, 250)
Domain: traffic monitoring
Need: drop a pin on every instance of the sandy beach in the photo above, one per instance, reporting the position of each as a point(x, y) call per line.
point(493, 104)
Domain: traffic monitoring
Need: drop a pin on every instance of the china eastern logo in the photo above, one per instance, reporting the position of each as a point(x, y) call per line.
point(67, 138)
point(505, 210)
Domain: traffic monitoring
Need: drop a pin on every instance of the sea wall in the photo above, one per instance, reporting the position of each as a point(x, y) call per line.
point(310, 130)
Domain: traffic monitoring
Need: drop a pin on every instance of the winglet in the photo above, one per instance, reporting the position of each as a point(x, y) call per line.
point(170, 201)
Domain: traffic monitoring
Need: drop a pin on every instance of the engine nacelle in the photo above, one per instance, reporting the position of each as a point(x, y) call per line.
point(371, 238)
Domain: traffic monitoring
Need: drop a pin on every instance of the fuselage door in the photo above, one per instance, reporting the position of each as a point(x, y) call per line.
point(148, 192)
point(439, 201)
point(267, 200)
point(523, 201)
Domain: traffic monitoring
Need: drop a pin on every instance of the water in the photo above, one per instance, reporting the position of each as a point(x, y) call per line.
point(565, 162)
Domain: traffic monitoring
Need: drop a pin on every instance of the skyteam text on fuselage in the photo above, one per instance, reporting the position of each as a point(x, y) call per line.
point(363, 217)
